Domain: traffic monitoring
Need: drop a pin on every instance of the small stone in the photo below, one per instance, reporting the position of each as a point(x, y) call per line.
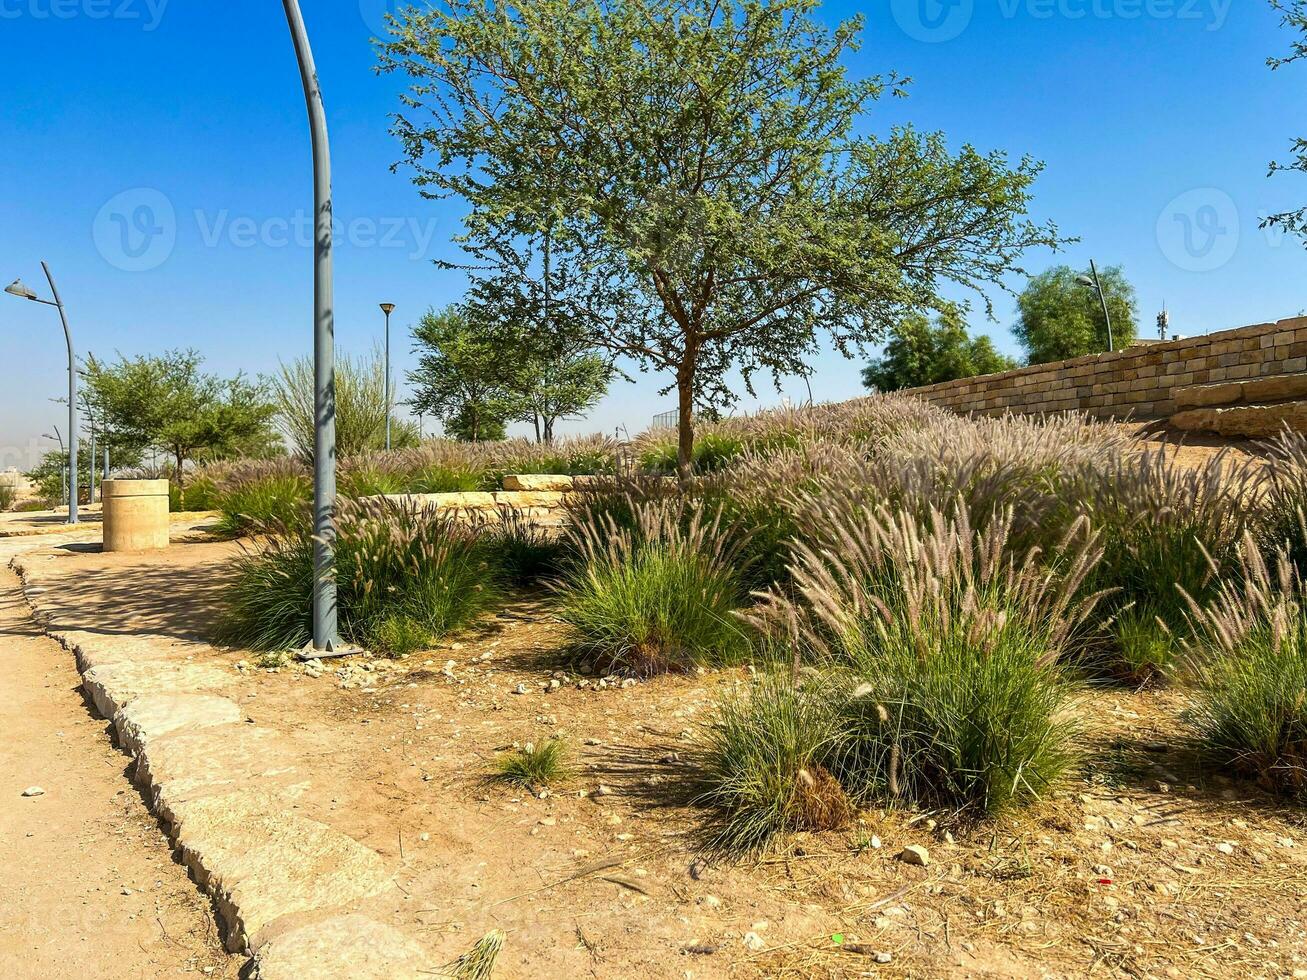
point(33, 791)
point(1225, 847)
point(521, 689)
point(548, 822)
point(755, 942)
point(710, 902)
point(883, 958)
point(602, 790)
point(126, 890)
point(915, 854)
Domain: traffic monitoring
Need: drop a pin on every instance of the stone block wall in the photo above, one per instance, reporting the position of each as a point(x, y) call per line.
point(1138, 383)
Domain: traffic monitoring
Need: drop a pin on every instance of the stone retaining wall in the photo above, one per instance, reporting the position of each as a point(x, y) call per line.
point(539, 498)
point(1137, 383)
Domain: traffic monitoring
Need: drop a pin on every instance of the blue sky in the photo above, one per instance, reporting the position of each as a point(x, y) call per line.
point(1156, 119)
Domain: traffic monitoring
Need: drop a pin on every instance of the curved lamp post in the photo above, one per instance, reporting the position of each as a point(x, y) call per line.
point(23, 292)
point(1097, 286)
point(387, 308)
point(326, 637)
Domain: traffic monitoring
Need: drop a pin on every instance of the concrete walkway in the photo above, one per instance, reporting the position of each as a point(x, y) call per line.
point(88, 885)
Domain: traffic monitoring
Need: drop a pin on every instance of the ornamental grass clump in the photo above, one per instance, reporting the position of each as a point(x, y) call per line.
point(926, 666)
point(533, 767)
point(406, 576)
point(658, 595)
point(1169, 533)
point(1284, 499)
point(1248, 663)
point(524, 551)
point(260, 494)
point(762, 764)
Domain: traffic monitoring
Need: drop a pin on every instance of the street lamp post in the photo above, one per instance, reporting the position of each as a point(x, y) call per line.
point(387, 308)
point(1097, 286)
point(326, 636)
point(23, 292)
point(60, 439)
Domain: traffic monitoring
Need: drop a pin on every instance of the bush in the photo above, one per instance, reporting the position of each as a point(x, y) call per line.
point(8, 496)
point(762, 763)
point(1168, 532)
point(1284, 500)
point(406, 576)
point(253, 495)
point(521, 549)
point(533, 767)
point(1249, 663)
point(943, 656)
point(661, 595)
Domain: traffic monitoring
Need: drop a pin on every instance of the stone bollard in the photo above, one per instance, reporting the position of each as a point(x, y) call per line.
point(135, 515)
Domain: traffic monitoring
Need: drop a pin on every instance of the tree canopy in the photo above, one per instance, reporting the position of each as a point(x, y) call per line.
point(920, 353)
point(1060, 318)
point(1294, 18)
point(696, 164)
point(169, 403)
point(461, 375)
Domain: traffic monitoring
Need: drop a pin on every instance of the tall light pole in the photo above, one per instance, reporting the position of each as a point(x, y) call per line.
point(23, 292)
point(387, 308)
point(1097, 286)
point(326, 636)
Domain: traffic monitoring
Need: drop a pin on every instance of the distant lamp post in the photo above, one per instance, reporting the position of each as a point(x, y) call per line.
point(326, 634)
point(24, 292)
point(58, 437)
point(1097, 286)
point(387, 308)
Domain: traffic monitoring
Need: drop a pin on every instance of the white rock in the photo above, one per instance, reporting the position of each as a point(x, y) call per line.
point(1225, 847)
point(34, 791)
point(915, 854)
point(755, 942)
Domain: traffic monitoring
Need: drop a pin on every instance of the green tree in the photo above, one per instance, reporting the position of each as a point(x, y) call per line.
point(920, 353)
point(1294, 17)
point(360, 406)
point(1061, 318)
point(167, 402)
point(462, 377)
point(702, 156)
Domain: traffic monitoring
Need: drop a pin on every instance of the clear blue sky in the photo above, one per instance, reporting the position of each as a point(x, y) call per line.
point(1151, 115)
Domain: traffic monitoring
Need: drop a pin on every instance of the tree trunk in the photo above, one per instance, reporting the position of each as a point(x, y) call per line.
point(549, 431)
point(685, 446)
point(181, 478)
point(539, 437)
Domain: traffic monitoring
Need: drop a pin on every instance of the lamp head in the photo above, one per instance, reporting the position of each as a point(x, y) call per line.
point(17, 288)
point(1086, 281)
point(387, 308)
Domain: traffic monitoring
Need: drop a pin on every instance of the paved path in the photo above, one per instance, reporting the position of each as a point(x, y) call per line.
point(88, 887)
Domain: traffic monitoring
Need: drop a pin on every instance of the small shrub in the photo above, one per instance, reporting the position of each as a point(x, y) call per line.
point(1284, 500)
point(713, 451)
point(1249, 663)
point(524, 551)
point(534, 767)
point(1144, 645)
point(8, 496)
point(762, 764)
point(406, 576)
point(1168, 532)
point(659, 596)
point(952, 651)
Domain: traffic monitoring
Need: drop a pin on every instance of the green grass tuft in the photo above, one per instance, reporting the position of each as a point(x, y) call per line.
point(533, 767)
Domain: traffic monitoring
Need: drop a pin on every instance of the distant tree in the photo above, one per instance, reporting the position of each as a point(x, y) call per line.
point(1295, 19)
point(550, 386)
point(920, 353)
point(707, 158)
point(360, 406)
point(468, 426)
point(1060, 318)
point(462, 377)
point(168, 403)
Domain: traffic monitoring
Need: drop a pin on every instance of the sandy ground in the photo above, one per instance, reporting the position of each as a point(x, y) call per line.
point(1145, 865)
point(87, 885)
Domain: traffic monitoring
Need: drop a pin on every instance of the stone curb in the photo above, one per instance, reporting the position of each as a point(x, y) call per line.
point(281, 884)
